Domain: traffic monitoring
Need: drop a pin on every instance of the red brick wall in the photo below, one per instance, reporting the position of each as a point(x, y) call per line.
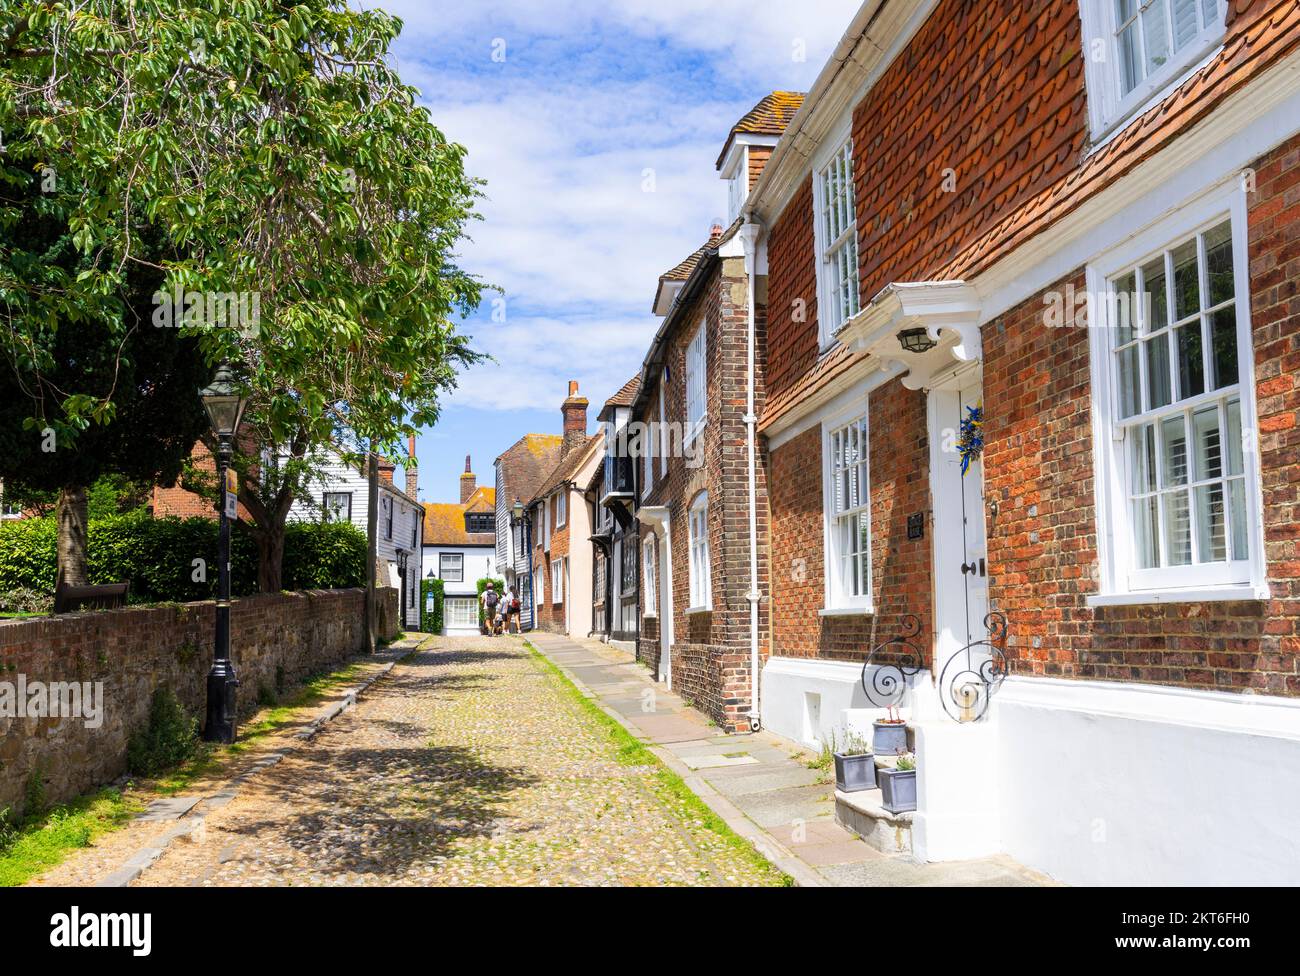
point(900, 567)
point(550, 615)
point(710, 655)
point(1038, 463)
point(791, 293)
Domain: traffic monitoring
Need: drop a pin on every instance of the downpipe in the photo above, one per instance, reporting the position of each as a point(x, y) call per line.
point(750, 232)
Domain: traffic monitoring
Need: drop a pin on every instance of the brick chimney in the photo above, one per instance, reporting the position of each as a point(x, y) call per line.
point(386, 469)
point(412, 478)
point(468, 484)
point(574, 410)
point(715, 232)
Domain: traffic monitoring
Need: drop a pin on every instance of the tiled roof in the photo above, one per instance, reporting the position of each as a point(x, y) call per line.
point(526, 463)
point(832, 363)
point(1263, 32)
point(768, 118)
point(686, 267)
point(444, 522)
point(568, 467)
point(626, 394)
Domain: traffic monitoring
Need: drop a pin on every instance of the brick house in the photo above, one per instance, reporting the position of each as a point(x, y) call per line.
point(1087, 230)
point(560, 527)
point(519, 472)
point(701, 488)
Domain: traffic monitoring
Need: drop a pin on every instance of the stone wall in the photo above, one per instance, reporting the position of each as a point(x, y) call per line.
point(278, 640)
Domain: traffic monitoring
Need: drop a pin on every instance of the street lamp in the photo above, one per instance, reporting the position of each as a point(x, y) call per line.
point(225, 408)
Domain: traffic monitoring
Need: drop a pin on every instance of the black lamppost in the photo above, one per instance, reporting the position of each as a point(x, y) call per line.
point(225, 408)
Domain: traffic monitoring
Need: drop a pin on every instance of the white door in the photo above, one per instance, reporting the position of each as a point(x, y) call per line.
point(664, 559)
point(961, 587)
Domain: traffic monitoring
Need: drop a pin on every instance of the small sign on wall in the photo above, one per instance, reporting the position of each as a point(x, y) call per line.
point(916, 526)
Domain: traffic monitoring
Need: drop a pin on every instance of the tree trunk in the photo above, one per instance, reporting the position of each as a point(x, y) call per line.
point(73, 514)
point(270, 557)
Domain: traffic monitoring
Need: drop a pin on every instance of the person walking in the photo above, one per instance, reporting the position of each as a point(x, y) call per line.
point(490, 599)
point(511, 600)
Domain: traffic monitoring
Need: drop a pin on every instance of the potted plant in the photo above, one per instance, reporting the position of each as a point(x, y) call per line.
point(889, 734)
point(855, 765)
point(898, 785)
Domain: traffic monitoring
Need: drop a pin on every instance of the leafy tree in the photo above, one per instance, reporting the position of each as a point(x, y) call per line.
point(283, 159)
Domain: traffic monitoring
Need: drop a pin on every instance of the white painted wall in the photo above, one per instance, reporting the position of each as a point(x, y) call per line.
point(479, 561)
point(1089, 782)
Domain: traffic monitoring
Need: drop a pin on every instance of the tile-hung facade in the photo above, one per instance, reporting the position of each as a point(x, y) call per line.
point(1077, 221)
point(702, 491)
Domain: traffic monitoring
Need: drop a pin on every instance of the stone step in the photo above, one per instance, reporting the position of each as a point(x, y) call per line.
point(861, 813)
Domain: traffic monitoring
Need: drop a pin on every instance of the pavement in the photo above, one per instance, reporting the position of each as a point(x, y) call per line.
point(763, 786)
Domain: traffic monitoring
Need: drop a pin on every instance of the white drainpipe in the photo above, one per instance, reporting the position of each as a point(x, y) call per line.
point(750, 233)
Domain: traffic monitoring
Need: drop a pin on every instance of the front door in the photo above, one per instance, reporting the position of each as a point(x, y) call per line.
point(960, 551)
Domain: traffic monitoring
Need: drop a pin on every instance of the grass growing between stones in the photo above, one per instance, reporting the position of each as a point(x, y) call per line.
point(630, 751)
point(45, 841)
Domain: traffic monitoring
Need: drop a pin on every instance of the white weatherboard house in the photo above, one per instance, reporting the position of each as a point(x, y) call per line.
point(459, 549)
point(342, 493)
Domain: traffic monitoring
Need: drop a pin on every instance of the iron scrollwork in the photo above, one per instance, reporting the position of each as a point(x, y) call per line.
point(971, 676)
point(884, 682)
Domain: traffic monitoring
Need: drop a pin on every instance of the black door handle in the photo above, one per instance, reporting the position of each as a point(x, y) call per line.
point(974, 567)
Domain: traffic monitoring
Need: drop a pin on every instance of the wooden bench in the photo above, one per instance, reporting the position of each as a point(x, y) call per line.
point(106, 596)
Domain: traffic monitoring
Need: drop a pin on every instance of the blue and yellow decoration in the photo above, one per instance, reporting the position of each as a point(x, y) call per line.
point(970, 440)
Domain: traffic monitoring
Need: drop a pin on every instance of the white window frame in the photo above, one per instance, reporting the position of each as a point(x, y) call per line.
point(836, 597)
point(1200, 582)
point(561, 508)
point(557, 581)
point(648, 482)
point(737, 183)
point(698, 562)
point(460, 611)
point(663, 431)
point(332, 510)
point(697, 383)
point(833, 307)
point(539, 587)
point(1108, 106)
point(443, 572)
point(650, 583)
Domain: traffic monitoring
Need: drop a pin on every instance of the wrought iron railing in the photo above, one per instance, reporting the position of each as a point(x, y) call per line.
point(970, 677)
point(889, 665)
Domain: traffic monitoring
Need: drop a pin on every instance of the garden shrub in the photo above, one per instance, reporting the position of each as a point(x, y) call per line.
point(157, 556)
point(431, 618)
point(170, 738)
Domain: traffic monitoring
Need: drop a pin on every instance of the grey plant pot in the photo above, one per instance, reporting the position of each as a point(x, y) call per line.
point(855, 773)
point(897, 789)
point(888, 740)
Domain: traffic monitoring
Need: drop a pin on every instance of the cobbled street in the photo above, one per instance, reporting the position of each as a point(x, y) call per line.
point(469, 764)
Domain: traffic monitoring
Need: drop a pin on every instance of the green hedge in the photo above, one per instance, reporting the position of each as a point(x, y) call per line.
point(431, 620)
point(157, 556)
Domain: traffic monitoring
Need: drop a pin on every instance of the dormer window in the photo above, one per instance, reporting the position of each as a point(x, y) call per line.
point(1133, 50)
point(478, 521)
point(737, 185)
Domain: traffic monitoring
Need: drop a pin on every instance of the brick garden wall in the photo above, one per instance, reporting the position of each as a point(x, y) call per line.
point(278, 640)
point(899, 472)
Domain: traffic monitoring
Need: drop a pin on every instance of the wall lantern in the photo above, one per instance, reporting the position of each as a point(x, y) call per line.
point(916, 340)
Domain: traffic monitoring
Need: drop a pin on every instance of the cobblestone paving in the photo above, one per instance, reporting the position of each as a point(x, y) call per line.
point(467, 765)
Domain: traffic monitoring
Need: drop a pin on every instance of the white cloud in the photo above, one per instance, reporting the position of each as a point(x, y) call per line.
point(592, 95)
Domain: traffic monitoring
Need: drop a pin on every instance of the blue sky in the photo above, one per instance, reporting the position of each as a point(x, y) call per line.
point(591, 95)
